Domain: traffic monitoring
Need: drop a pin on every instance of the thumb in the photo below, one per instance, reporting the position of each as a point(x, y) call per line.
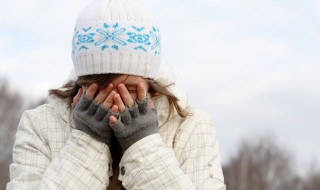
point(151, 104)
point(77, 97)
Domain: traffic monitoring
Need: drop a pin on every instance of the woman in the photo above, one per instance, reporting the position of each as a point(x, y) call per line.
point(121, 123)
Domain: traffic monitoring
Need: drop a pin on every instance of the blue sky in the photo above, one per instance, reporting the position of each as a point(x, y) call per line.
point(253, 65)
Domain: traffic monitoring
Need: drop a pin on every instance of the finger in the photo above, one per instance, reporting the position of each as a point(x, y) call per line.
point(141, 90)
point(125, 95)
point(151, 104)
point(112, 120)
point(92, 90)
point(108, 102)
point(118, 101)
point(103, 94)
point(115, 109)
point(77, 97)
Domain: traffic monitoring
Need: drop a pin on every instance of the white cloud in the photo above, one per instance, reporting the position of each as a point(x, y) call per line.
point(4, 41)
point(36, 43)
point(35, 71)
point(263, 10)
point(248, 82)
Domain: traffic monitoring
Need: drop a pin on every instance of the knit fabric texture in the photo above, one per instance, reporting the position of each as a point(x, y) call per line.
point(135, 124)
point(116, 36)
point(93, 119)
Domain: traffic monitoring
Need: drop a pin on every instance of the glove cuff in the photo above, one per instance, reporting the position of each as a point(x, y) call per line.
point(126, 142)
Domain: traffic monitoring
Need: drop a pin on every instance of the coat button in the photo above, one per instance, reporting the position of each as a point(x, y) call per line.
point(123, 170)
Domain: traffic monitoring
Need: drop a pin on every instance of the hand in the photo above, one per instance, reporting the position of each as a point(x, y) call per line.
point(91, 113)
point(137, 119)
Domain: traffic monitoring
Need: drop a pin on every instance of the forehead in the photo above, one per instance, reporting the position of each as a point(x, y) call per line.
point(128, 80)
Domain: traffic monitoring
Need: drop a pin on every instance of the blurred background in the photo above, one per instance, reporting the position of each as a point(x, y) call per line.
point(253, 65)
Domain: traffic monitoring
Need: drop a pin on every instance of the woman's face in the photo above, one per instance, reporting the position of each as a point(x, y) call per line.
point(120, 93)
point(130, 82)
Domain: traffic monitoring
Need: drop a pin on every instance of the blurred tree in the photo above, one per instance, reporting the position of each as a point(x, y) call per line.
point(10, 112)
point(260, 164)
point(312, 180)
point(11, 107)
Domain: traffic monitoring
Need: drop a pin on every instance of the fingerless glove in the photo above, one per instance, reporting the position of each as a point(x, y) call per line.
point(135, 123)
point(92, 119)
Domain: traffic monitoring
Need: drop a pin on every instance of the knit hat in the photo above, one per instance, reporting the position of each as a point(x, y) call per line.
point(116, 36)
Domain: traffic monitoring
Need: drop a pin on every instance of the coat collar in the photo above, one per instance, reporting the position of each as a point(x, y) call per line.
point(60, 108)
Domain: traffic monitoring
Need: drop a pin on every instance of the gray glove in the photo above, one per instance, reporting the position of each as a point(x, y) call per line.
point(92, 119)
point(135, 123)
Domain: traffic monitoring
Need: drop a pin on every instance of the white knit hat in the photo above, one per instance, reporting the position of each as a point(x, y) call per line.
point(116, 36)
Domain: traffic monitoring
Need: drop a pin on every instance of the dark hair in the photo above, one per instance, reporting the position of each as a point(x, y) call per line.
point(156, 90)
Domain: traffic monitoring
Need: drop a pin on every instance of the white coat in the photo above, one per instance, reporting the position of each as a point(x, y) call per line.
point(50, 154)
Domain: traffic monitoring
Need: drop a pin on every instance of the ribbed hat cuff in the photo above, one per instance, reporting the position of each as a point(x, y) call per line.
point(118, 63)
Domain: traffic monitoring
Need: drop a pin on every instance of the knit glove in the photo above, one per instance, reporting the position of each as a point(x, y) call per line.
point(135, 123)
point(92, 119)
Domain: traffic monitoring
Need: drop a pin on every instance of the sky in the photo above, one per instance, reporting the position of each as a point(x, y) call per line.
point(253, 65)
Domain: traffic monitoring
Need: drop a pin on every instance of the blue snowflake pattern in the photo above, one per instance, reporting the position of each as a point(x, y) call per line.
point(83, 47)
point(115, 36)
point(156, 39)
point(139, 38)
point(104, 47)
point(140, 47)
point(85, 38)
point(137, 29)
point(86, 29)
point(74, 44)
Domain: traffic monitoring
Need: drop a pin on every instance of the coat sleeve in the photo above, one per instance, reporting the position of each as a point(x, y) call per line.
point(81, 164)
point(199, 154)
point(194, 163)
